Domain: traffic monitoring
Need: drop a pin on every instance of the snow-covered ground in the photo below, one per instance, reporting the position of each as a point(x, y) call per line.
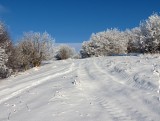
point(117, 88)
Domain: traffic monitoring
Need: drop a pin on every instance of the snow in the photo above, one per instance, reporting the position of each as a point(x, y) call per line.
point(113, 88)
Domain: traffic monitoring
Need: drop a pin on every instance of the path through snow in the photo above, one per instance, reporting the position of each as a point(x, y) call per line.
point(96, 89)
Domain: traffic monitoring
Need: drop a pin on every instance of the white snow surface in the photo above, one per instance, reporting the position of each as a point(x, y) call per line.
point(115, 88)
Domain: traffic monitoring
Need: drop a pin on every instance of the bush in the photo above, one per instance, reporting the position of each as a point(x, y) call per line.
point(135, 42)
point(64, 52)
point(105, 43)
point(5, 72)
point(146, 37)
point(150, 29)
point(33, 48)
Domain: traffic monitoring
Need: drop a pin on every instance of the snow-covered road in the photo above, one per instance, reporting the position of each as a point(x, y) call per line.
point(96, 89)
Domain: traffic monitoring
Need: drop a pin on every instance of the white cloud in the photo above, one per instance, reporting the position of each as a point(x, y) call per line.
point(77, 46)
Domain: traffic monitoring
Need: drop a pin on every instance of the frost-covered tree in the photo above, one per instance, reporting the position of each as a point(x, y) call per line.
point(4, 37)
point(4, 71)
point(135, 41)
point(146, 38)
point(33, 48)
point(88, 49)
point(105, 43)
point(64, 52)
point(150, 29)
point(5, 51)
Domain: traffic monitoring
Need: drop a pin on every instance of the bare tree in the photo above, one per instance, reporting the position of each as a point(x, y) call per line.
point(33, 48)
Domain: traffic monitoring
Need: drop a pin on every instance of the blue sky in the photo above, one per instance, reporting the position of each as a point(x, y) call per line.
point(73, 21)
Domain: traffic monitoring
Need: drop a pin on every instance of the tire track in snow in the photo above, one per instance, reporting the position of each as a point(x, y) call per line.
point(149, 96)
point(44, 72)
point(126, 108)
point(109, 107)
point(115, 99)
point(117, 113)
point(87, 83)
point(129, 80)
point(113, 109)
point(28, 81)
point(33, 75)
point(134, 80)
point(34, 84)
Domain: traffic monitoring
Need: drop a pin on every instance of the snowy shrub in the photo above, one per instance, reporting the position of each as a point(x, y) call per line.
point(4, 37)
point(33, 48)
point(4, 70)
point(76, 56)
point(146, 38)
point(5, 41)
point(135, 41)
point(150, 29)
point(84, 54)
point(87, 49)
point(5, 51)
point(64, 52)
point(109, 42)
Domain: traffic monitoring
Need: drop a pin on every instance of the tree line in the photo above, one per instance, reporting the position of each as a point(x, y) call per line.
point(28, 52)
point(142, 39)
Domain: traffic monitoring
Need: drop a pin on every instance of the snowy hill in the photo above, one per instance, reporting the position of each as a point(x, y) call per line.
point(117, 88)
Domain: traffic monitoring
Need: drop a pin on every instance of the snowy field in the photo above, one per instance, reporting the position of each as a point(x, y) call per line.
point(117, 88)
